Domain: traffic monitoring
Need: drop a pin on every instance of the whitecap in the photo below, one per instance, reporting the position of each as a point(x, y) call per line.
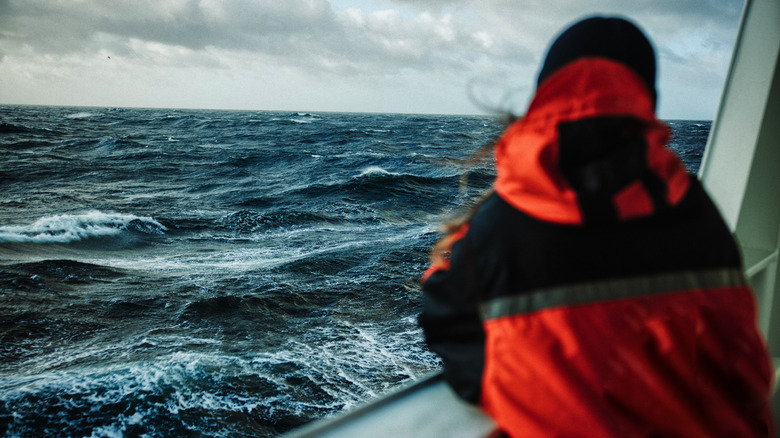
point(80, 115)
point(303, 117)
point(375, 170)
point(68, 228)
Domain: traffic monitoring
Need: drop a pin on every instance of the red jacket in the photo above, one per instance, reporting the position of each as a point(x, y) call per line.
point(598, 292)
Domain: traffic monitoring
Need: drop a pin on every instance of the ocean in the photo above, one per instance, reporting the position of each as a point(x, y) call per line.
point(177, 273)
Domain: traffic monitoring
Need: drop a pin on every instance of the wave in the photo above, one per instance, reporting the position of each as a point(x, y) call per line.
point(376, 170)
point(68, 228)
point(375, 177)
point(10, 128)
point(182, 394)
point(372, 184)
point(248, 221)
point(80, 115)
point(299, 118)
point(65, 268)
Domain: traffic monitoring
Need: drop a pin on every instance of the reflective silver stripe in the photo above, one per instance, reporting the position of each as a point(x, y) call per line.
point(586, 293)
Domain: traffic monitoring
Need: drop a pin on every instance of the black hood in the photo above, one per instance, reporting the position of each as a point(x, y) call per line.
point(605, 37)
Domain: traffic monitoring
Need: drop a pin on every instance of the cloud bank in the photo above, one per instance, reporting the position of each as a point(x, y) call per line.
point(338, 55)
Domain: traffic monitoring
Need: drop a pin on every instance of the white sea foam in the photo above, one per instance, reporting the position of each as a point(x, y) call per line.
point(68, 228)
point(178, 378)
point(81, 115)
point(257, 256)
point(375, 170)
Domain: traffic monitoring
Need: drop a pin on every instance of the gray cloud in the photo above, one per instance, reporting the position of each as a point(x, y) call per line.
point(58, 27)
point(394, 42)
point(294, 29)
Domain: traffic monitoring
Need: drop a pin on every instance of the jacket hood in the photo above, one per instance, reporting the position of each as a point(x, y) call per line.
point(630, 181)
point(611, 38)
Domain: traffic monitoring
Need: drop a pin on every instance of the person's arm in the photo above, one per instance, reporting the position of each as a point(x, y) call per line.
point(451, 322)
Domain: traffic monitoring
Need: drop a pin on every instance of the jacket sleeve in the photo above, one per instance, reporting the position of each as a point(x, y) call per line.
point(452, 325)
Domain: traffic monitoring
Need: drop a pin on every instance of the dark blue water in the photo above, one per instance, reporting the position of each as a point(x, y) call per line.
point(215, 273)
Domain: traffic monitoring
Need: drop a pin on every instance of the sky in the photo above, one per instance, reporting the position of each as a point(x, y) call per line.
point(398, 56)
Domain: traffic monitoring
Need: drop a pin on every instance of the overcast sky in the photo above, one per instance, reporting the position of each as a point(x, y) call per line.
point(411, 56)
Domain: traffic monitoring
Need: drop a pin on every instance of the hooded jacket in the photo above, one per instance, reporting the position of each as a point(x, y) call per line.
point(598, 292)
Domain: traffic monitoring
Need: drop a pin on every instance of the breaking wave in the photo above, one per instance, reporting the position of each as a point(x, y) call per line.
point(67, 228)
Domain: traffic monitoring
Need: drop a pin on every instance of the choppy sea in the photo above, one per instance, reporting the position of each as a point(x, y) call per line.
point(220, 273)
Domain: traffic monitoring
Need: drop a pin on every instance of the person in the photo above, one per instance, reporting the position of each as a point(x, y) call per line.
point(596, 291)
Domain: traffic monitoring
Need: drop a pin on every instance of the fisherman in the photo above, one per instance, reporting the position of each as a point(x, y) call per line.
point(596, 291)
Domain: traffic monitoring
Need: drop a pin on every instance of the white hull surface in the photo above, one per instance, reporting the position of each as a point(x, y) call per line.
point(741, 166)
point(740, 170)
point(428, 408)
